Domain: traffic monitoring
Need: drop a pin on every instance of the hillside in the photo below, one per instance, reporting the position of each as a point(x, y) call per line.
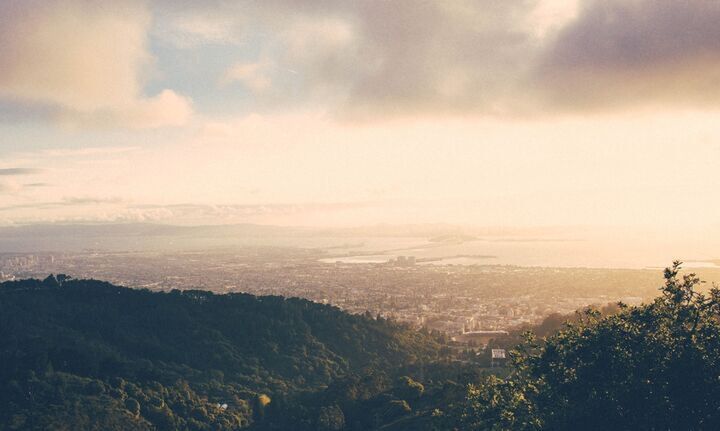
point(650, 367)
point(72, 350)
point(87, 355)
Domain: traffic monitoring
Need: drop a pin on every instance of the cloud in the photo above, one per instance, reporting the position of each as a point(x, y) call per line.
point(84, 63)
point(251, 75)
point(65, 202)
point(242, 212)
point(164, 110)
point(92, 209)
point(18, 171)
point(84, 60)
point(73, 153)
point(373, 59)
point(381, 59)
point(634, 52)
point(437, 57)
point(191, 30)
point(9, 185)
point(282, 213)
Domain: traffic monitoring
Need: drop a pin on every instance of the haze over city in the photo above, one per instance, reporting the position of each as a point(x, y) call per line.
point(513, 113)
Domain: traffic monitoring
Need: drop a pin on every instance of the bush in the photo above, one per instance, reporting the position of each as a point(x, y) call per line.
point(650, 367)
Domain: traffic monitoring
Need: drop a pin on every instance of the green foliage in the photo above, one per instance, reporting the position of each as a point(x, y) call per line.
point(391, 399)
point(395, 408)
point(83, 354)
point(409, 389)
point(331, 418)
point(651, 367)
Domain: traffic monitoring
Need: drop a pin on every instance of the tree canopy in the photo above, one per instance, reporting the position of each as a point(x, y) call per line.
point(84, 354)
point(98, 356)
point(651, 367)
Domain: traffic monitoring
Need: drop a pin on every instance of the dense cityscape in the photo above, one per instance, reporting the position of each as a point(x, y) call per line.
point(451, 298)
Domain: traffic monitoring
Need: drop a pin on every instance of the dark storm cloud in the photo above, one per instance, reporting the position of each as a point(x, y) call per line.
point(374, 59)
point(371, 59)
point(442, 55)
point(634, 52)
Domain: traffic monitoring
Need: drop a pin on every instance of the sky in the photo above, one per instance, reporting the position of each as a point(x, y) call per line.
point(337, 113)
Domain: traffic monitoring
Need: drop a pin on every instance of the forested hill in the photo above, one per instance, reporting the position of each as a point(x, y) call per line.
point(81, 354)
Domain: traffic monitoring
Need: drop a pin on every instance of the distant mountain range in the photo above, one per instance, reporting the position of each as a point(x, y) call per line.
point(150, 236)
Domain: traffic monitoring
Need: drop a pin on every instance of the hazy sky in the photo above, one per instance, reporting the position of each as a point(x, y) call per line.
point(504, 112)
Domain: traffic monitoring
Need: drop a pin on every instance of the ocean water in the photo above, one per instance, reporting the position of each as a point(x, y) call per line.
point(590, 253)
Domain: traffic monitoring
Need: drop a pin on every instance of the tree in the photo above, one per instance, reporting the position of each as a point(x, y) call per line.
point(260, 403)
point(331, 418)
point(133, 406)
point(650, 367)
point(409, 389)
